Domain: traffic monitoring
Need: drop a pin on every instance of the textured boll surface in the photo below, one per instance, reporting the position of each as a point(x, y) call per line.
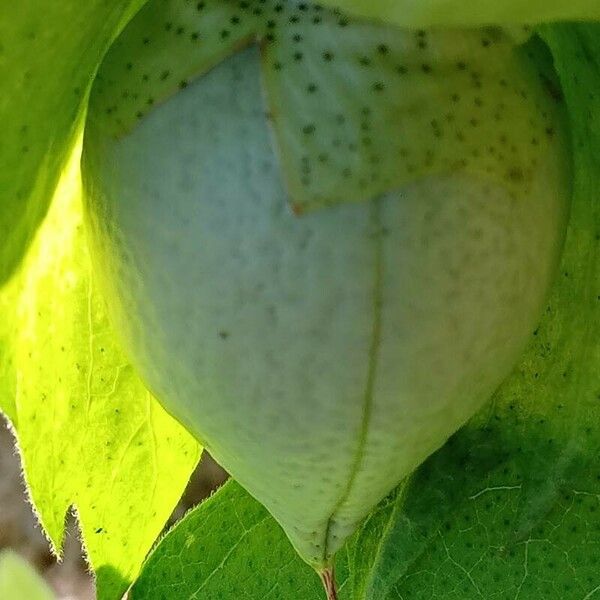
point(319, 358)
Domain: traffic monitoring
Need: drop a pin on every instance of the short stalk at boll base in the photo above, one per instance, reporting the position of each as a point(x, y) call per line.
point(327, 576)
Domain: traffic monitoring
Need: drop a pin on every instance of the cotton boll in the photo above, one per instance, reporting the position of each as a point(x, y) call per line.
point(319, 357)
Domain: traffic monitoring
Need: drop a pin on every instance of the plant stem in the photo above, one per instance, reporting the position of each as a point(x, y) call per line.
point(327, 576)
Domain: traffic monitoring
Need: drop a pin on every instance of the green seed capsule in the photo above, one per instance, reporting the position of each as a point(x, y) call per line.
point(322, 356)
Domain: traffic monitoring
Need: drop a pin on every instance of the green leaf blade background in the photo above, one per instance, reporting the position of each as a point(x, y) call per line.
point(90, 435)
point(228, 547)
point(49, 53)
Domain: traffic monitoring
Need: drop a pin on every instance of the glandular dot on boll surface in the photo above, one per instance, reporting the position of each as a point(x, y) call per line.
point(320, 358)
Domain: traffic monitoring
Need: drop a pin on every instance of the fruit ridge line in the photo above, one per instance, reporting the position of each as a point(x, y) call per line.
point(371, 373)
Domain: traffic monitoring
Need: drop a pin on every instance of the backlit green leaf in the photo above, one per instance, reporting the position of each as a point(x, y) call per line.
point(49, 52)
point(91, 436)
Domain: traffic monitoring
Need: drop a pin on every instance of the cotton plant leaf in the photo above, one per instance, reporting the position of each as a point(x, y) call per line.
point(90, 435)
point(8, 378)
point(229, 547)
point(19, 580)
point(446, 13)
point(335, 87)
point(49, 52)
point(510, 507)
